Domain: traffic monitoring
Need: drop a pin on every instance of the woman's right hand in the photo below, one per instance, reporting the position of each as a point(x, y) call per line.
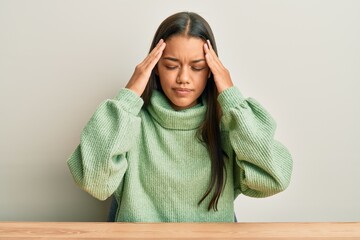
point(141, 75)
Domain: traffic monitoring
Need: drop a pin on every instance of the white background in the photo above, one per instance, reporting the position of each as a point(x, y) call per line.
point(60, 59)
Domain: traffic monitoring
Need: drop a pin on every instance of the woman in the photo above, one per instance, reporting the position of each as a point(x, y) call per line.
point(179, 143)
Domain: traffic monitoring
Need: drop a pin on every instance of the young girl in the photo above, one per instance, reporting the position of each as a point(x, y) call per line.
point(179, 143)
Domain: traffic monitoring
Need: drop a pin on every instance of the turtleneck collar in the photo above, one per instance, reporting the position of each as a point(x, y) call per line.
point(187, 119)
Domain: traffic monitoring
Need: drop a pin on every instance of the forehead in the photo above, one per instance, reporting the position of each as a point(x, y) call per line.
point(183, 47)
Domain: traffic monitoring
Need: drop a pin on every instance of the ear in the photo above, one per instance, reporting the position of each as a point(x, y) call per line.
point(209, 75)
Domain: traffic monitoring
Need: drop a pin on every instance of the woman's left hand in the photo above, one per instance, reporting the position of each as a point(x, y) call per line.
point(221, 74)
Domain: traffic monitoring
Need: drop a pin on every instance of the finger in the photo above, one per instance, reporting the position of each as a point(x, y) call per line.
point(155, 50)
point(208, 43)
point(210, 51)
point(211, 60)
point(215, 56)
point(208, 58)
point(155, 56)
point(153, 60)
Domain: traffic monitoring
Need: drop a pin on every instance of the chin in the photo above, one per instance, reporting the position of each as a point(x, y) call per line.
point(181, 105)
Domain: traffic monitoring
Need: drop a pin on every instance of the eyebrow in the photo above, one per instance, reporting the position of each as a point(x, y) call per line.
point(177, 60)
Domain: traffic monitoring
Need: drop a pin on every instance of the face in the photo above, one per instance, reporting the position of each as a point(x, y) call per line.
point(183, 71)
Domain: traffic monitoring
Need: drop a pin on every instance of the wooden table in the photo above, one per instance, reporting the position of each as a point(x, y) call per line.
point(102, 230)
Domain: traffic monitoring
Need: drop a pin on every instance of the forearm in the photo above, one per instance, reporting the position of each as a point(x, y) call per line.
point(263, 164)
point(99, 162)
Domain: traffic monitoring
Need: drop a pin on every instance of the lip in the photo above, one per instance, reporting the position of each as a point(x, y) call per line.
point(182, 91)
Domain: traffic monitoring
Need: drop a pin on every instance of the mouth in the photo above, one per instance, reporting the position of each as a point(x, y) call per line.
point(182, 91)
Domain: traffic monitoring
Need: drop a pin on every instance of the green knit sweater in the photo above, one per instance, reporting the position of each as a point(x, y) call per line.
point(151, 160)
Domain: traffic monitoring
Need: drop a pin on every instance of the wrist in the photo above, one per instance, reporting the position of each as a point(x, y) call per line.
point(231, 98)
point(223, 87)
point(134, 89)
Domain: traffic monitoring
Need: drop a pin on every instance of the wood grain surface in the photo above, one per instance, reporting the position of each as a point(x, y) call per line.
point(104, 230)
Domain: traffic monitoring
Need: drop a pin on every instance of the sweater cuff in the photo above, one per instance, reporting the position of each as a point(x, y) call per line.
point(129, 101)
point(231, 98)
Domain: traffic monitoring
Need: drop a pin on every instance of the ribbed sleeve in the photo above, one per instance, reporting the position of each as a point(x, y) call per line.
point(99, 162)
point(263, 165)
point(152, 161)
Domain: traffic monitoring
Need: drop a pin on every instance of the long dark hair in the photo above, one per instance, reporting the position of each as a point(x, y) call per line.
point(193, 25)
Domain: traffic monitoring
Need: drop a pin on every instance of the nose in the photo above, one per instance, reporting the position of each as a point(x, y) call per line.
point(183, 76)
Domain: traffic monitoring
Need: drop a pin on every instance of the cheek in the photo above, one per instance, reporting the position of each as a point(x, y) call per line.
point(202, 78)
point(202, 84)
point(166, 78)
point(166, 75)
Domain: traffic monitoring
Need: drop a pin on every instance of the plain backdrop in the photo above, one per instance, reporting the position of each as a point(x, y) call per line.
point(59, 59)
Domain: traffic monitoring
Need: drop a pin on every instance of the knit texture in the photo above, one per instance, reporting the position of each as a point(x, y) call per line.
point(152, 161)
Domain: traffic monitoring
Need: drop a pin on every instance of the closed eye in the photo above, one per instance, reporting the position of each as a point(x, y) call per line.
point(171, 67)
point(198, 68)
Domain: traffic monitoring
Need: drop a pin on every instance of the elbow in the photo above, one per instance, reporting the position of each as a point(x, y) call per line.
point(270, 187)
point(282, 181)
point(280, 186)
point(97, 192)
point(282, 175)
point(275, 188)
